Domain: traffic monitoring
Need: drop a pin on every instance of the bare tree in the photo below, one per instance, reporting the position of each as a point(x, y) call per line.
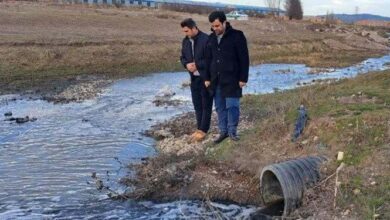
point(274, 5)
point(279, 3)
point(330, 18)
point(294, 9)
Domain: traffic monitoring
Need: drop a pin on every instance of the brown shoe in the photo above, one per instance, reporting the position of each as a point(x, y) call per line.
point(199, 136)
point(195, 133)
point(192, 136)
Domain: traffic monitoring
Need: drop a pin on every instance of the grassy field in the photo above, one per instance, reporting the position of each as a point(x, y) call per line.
point(41, 43)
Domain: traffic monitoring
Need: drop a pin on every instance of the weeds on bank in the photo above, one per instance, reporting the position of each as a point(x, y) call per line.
point(351, 115)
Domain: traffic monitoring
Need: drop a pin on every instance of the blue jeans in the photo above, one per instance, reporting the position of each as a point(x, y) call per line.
point(228, 110)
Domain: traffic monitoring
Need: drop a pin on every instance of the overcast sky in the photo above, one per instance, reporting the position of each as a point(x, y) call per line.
point(320, 7)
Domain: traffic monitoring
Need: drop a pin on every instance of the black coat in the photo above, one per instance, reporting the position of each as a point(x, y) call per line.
point(227, 62)
point(200, 43)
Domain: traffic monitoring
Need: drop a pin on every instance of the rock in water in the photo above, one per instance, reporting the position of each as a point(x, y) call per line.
point(166, 91)
point(10, 119)
point(8, 114)
point(22, 120)
point(186, 84)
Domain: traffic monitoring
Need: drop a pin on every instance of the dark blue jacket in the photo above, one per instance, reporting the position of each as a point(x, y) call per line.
point(200, 43)
point(227, 62)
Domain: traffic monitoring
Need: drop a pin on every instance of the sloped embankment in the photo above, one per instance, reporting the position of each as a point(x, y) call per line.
point(351, 115)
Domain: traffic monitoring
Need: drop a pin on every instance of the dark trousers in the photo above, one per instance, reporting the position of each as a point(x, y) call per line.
point(203, 103)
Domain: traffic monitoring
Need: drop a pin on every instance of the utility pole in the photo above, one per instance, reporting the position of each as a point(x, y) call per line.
point(356, 10)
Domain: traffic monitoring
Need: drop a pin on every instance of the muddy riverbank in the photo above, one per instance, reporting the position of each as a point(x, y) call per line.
point(59, 89)
point(183, 169)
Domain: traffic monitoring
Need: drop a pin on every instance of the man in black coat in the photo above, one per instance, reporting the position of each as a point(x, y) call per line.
point(193, 59)
point(227, 67)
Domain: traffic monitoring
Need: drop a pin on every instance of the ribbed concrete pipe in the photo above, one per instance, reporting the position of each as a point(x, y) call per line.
point(285, 182)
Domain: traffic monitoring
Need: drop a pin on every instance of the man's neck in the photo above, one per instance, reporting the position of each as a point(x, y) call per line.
point(195, 34)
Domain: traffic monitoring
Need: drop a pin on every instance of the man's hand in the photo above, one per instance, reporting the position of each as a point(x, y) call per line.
point(195, 69)
point(242, 84)
point(207, 83)
point(191, 67)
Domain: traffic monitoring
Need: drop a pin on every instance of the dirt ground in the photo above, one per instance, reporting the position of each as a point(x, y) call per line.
point(45, 47)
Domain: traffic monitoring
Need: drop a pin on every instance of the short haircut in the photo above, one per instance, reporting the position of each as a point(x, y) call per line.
point(188, 22)
point(220, 15)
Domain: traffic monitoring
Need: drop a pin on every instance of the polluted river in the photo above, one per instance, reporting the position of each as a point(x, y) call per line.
point(46, 165)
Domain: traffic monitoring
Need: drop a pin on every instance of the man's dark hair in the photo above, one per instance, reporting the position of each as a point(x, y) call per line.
point(220, 15)
point(188, 22)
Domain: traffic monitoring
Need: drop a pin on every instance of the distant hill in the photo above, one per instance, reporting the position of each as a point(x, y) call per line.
point(359, 17)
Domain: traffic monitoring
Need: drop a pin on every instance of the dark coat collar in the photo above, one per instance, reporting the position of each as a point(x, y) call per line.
point(196, 36)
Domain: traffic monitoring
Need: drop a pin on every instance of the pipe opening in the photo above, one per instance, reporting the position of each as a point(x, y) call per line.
point(272, 194)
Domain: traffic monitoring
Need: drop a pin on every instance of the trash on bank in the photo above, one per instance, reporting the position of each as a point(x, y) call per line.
point(301, 122)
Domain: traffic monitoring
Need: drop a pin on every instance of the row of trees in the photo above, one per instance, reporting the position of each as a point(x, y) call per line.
point(293, 8)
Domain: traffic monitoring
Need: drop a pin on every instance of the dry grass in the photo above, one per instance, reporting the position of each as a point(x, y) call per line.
point(46, 41)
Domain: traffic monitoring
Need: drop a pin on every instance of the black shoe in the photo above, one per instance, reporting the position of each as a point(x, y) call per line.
point(220, 138)
point(234, 137)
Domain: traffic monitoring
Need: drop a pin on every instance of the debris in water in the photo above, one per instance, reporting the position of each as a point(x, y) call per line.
point(101, 187)
point(99, 184)
point(21, 120)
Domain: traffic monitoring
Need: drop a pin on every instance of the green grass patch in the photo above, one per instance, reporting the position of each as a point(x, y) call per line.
point(372, 202)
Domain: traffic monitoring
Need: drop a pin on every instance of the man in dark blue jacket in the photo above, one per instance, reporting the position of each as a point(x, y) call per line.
point(193, 59)
point(227, 67)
